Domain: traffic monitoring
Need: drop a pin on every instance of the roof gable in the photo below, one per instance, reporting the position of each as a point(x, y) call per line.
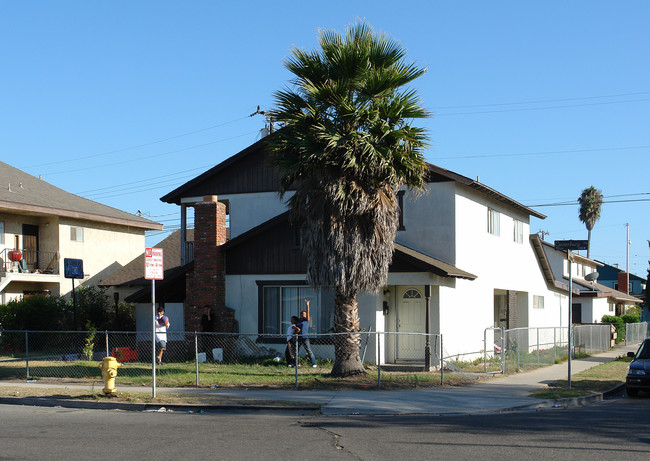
point(248, 171)
point(245, 172)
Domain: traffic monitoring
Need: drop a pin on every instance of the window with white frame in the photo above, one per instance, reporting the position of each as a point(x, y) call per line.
point(279, 302)
point(2, 232)
point(538, 302)
point(76, 234)
point(494, 218)
point(518, 231)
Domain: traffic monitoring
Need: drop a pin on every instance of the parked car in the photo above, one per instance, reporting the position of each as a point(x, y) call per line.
point(638, 373)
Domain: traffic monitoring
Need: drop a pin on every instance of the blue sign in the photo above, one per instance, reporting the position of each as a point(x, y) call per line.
point(73, 268)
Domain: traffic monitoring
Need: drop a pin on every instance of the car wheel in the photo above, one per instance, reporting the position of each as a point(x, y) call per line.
point(631, 392)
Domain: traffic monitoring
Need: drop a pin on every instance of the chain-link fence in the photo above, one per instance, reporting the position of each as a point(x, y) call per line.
point(220, 359)
point(635, 332)
point(244, 360)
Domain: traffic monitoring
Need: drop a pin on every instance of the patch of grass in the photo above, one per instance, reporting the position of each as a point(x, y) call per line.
point(265, 374)
point(597, 379)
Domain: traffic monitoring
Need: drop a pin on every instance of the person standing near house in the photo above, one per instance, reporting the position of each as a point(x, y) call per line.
point(206, 327)
point(292, 333)
point(162, 324)
point(303, 339)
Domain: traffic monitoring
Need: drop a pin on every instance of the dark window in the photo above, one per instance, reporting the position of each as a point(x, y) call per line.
point(400, 203)
point(278, 301)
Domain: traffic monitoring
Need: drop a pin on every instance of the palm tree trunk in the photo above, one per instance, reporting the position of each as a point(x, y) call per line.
point(346, 347)
point(588, 242)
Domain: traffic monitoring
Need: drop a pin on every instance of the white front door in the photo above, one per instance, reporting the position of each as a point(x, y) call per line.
point(411, 318)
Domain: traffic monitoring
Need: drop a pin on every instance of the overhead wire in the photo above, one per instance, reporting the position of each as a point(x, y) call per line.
point(543, 101)
point(201, 130)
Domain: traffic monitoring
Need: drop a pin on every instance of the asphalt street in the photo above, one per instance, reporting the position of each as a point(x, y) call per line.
point(613, 429)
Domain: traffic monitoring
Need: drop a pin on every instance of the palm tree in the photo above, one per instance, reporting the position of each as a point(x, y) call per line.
point(590, 202)
point(347, 147)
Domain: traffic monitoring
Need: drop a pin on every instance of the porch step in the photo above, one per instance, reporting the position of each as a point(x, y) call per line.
point(402, 367)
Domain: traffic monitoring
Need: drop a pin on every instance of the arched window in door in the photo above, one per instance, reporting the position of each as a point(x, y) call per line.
point(412, 293)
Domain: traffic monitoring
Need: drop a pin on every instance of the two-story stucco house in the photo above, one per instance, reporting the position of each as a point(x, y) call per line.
point(463, 260)
point(591, 299)
point(41, 225)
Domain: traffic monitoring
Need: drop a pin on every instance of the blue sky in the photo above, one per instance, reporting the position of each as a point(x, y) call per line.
point(121, 102)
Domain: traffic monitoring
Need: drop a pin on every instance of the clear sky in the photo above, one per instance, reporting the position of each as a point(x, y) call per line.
point(123, 101)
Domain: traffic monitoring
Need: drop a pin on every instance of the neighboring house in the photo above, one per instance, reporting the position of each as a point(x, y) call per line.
point(463, 261)
point(130, 285)
point(591, 299)
point(41, 225)
point(614, 277)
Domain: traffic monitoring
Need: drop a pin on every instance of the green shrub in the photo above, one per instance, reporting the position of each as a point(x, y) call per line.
point(618, 323)
point(36, 312)
point(630, 318)
point(57, 313)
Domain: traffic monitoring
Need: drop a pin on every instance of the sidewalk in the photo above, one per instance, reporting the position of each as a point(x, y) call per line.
point(507, 393)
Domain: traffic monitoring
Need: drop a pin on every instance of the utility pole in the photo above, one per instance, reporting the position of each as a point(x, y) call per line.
point(627, 259)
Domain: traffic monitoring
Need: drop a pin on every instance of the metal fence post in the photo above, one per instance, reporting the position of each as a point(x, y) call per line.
point(537, 346)
point(378, 361)
point(27, 353)
point(196, 358)
point(554, 344)
point(442, 363)
point(485, 350)
point(106, 335)
point(503, 351)
point(296, 362)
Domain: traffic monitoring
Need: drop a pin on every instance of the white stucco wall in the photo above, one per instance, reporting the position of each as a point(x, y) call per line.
point(429, 221)
point(250, 210)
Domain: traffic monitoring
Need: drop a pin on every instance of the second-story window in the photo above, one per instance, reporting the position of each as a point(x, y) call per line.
point(2, 232)
point(518, 231)
point(494, 218)
point(400, 203)
point(76, 234)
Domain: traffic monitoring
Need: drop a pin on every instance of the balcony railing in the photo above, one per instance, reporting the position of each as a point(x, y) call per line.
point(29, 261)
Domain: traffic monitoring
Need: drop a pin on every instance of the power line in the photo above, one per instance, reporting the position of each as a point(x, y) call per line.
point(143, 180)
point(150, 156)
point(575, 203)
point(139, 145)
point(542, 108)
point(544, 101)
point(522, 154)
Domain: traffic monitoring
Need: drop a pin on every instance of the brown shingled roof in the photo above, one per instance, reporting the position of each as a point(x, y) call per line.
point(133, 272)
point(23, 192)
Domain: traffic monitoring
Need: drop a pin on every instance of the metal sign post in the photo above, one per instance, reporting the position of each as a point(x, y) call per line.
point(569, 257)
point(568, 246)
point(153, 270)
point(73, 269)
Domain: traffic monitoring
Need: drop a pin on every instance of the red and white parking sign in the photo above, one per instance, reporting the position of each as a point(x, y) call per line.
point(153, 263)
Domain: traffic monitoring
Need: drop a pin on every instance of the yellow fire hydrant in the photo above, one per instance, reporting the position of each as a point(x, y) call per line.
point(109, 372)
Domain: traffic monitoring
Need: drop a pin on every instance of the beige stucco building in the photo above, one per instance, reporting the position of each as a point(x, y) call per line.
point(42, 225)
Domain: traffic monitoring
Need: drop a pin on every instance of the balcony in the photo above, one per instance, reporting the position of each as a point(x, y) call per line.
point(29, 261)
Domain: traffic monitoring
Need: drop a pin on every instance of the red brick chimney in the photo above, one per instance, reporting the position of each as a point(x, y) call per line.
point(624, 282)
point(206, 284)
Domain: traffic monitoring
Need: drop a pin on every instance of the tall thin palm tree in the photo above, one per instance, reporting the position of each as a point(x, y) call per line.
point(347, 146)
point(591, 201)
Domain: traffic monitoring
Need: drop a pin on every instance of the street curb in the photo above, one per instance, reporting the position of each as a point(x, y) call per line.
point(321, 410)
point(152, 407)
